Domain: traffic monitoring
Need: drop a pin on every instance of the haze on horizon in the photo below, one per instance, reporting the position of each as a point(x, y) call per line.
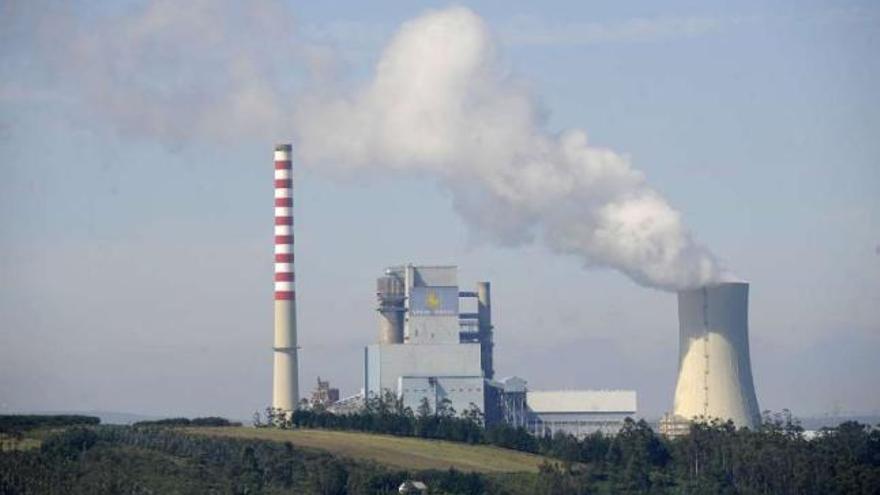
point(135, 214)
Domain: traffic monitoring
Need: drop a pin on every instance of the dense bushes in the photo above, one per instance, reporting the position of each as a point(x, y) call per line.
point(206, 421)
point(777, 458)
point(23, 422)
point(438, 427)
point(509, 437)
point(717, 458)
point(121, 459)
point(388, 415)
point(69, 444)
point(713, 458)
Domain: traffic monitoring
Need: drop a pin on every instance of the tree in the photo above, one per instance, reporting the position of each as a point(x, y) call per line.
point(636, 451)
point(251, 477)
point(328, 477)
point(424, 409)
point(445, 409)
point(473, 414)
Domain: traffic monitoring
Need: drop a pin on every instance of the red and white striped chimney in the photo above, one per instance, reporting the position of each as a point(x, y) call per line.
point(285, 388)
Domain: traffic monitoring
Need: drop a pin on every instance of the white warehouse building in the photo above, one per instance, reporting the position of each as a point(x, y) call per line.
point(579, 412)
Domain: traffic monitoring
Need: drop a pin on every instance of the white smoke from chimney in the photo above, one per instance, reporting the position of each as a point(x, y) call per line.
point(440, 103)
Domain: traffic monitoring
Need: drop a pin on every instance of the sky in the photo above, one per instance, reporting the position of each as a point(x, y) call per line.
point(136, 143)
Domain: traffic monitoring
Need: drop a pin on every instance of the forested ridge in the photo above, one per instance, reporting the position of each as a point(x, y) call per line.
point(713, 458)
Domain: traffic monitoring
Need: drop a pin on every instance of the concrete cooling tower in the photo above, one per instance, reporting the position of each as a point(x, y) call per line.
point(714, 369)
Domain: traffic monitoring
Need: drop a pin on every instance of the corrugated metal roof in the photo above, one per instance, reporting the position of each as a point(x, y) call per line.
point(573, 401)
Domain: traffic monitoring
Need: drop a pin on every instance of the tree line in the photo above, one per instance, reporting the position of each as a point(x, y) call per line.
point(714, 457)
point(10, 423)
point(184, 422)
point(387, 414)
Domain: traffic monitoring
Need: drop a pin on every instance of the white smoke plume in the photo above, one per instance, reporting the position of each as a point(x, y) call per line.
point(208, 70)
point(440, 103)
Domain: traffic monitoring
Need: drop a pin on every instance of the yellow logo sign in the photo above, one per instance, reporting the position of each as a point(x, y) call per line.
point(432, 300)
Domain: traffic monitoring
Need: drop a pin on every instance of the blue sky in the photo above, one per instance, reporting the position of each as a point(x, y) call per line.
point(135, 239)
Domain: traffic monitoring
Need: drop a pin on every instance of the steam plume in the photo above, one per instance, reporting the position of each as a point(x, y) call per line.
point(439, 103)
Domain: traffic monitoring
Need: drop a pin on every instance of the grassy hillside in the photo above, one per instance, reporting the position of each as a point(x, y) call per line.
point(398, 452)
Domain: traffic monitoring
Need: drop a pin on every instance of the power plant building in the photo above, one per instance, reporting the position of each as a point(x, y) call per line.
point(429, 349)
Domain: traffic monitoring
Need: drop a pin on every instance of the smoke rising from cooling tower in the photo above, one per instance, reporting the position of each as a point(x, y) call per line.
point(440, 103)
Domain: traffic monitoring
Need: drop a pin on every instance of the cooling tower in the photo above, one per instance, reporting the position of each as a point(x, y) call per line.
point(285, 382)
point(714, 369)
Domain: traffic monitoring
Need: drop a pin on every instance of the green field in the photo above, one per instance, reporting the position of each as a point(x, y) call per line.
point(399, 452)
point(9, 443)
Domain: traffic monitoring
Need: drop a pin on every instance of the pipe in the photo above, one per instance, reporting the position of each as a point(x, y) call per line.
point(484, 317)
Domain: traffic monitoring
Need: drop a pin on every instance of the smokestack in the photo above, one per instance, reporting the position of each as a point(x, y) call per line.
point(484, 322)
point(715, 372)
point(285, 386)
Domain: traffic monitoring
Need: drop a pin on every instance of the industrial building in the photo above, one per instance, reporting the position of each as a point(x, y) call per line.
point(576, 412)
point(714, 368)
point(579, 412)
point(427, 347)
point(324, 395)
point(430, 349)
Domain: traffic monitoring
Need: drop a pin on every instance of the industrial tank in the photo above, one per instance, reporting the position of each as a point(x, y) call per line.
point(390, 292)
